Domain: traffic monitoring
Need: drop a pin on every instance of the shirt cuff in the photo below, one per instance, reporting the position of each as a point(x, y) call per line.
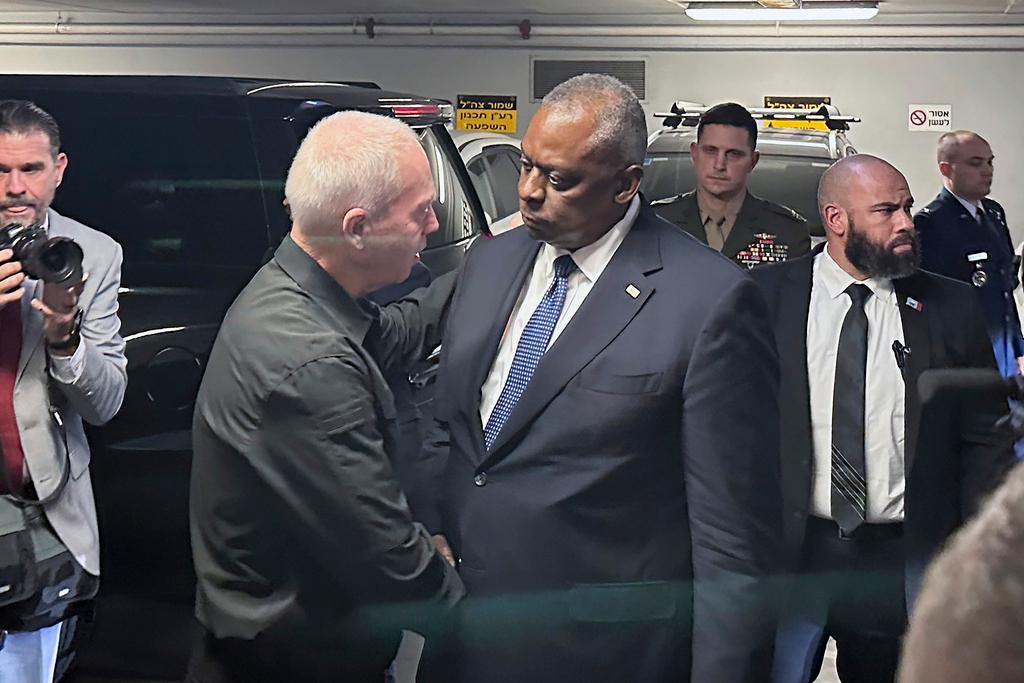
point(68, 369)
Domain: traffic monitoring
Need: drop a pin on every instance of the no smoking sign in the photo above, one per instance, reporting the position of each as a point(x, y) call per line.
point(929, 117)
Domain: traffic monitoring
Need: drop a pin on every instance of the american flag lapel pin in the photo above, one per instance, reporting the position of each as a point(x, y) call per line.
point(915, 304)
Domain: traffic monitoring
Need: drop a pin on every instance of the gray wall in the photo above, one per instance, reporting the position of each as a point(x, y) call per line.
point(983, 87)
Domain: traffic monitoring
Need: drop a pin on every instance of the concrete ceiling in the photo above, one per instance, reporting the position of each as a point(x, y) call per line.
point(463, 8)
point(590, 24)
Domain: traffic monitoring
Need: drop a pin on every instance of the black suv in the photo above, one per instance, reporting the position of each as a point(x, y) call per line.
point(187, 173)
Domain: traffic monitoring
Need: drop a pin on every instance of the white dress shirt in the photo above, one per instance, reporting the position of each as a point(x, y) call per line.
point(884, 413)
point(590, 260)
point(972, 208)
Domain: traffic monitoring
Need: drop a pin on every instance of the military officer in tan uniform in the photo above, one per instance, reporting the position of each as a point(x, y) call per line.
point(721, 212)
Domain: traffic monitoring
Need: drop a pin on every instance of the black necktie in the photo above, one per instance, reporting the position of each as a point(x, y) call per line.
point(849, 474)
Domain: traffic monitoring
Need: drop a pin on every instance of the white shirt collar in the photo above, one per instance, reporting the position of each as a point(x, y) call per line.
point(971, 207)
point(593, 258)
point(836, 280)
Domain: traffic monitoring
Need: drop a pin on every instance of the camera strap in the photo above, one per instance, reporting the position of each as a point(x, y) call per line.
point(65, 474)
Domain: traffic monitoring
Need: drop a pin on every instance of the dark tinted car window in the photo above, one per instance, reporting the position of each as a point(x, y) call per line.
point(790, 181)
point(504, 169)
point(177, 192)
point(478, 175)
point(452, 207)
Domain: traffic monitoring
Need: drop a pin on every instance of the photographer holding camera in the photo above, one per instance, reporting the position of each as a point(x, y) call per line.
point(61, 362)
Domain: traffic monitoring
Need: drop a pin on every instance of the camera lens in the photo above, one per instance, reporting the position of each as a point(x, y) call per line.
point(57, 260)
point(51, 259)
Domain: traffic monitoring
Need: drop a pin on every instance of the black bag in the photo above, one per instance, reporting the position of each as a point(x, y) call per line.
point(17, 558)
point(32, 556)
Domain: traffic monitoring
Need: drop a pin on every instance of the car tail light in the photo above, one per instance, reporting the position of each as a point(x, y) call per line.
point(401, 110)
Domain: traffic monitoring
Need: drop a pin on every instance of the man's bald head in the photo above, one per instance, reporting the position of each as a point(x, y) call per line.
point(950, 144)
point(865, 207)
point(966, 164)
point(850, 174)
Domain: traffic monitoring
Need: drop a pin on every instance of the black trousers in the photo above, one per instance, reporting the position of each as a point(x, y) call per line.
point(854, 587)
point(282, 657)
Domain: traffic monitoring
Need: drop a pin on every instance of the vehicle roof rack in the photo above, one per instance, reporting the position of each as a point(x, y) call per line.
point(688, 114)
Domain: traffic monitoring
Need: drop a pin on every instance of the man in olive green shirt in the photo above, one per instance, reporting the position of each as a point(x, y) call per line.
point(721, 212)
point(306, 555)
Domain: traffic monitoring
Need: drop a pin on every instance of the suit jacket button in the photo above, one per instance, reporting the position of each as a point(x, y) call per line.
point(480, 479)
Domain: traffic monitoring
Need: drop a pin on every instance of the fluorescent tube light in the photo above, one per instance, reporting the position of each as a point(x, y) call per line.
point(746, 12)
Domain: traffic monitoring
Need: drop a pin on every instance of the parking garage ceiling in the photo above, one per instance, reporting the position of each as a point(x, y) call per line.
point(521, 24)
point(467, 9)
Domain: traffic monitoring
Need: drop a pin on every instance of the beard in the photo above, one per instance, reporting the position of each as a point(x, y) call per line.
point(879, 260)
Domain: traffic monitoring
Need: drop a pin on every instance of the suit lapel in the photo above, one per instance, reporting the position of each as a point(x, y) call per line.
point(31, 328)
point(690, 217)
point(791, 338)
point(509, 267)
point(742, 233)
point(968, 222)
point(911, 297)
point(606, 311)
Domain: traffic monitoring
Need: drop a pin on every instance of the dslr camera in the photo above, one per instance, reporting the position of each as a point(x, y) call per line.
point(57, 260)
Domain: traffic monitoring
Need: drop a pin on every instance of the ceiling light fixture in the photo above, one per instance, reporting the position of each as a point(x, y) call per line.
point(807, 11)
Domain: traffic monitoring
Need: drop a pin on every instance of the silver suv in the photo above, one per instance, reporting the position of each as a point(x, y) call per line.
point(792, 159)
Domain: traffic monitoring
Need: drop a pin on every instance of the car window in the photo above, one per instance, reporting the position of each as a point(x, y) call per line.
point(454, 212)
point(504, 171)
point(478, 175)
point(790, 181)
point(179, 193)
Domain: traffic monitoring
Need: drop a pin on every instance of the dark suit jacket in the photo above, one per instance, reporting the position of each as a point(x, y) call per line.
point(764, 232)
point(954, 453)
point(949, 233)
point(623, 524)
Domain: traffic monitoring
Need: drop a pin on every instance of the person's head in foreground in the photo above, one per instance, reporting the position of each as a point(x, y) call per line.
point(969, 619)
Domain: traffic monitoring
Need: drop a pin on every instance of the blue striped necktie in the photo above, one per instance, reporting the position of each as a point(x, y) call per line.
point(532, 345)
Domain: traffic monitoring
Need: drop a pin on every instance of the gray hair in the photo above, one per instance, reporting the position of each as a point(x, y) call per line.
point(966, 624)
point(347, 160)
point(621, 123)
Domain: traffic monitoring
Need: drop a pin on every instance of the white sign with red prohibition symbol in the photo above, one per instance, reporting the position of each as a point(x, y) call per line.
point(930, 117)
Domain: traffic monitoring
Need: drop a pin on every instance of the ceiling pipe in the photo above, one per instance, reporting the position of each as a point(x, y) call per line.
point(784, 37)
point(649, 44)
point(374, 29)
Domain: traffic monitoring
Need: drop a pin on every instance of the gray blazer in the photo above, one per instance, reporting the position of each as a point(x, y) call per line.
point(94, 396)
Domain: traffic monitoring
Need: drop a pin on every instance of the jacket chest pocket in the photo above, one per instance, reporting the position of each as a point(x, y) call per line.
point(603, 378)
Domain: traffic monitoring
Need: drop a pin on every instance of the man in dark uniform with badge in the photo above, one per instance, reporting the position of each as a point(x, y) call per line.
point(964, 236)
point(721, 212)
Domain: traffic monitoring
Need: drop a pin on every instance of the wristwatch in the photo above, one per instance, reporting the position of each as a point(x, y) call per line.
point(74, 335)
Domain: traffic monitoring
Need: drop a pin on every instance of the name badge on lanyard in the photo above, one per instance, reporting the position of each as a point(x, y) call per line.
point(979, 278)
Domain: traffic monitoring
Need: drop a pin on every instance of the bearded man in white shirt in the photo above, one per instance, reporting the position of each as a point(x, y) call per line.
point(873, 480)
